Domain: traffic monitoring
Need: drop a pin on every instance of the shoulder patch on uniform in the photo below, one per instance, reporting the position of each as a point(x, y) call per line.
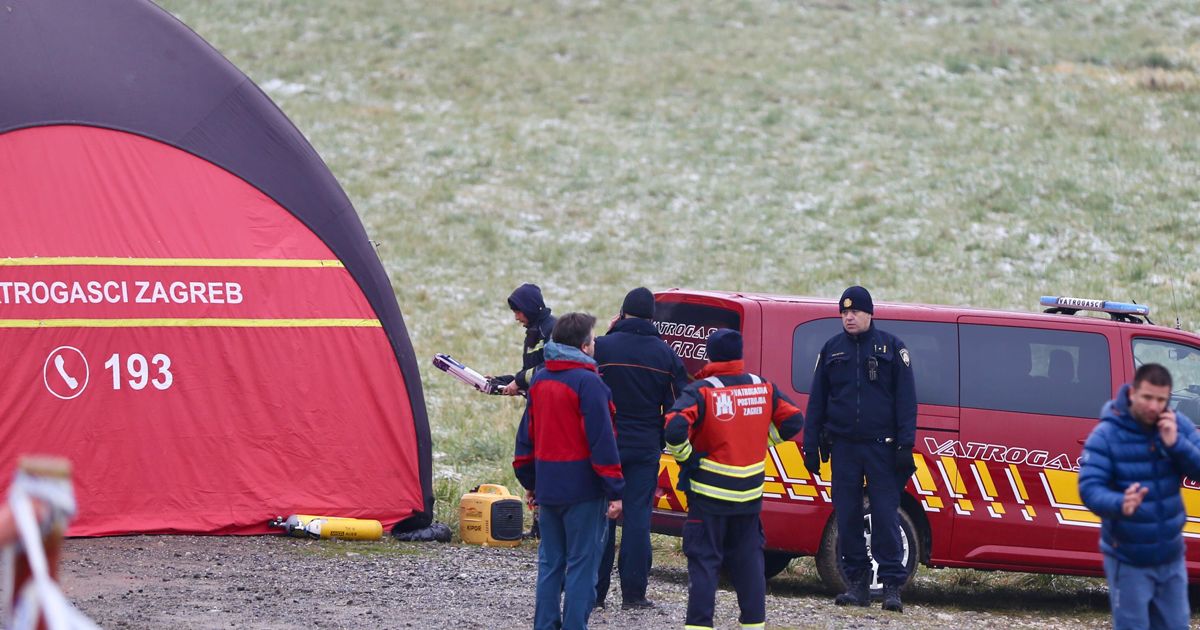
point(904, 357)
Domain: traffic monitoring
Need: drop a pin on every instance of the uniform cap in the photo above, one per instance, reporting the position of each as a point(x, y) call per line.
point(858, 299)
point(725, 344)
point(639, 303)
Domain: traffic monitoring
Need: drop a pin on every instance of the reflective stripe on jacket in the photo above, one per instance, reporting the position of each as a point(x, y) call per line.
point(728, 418)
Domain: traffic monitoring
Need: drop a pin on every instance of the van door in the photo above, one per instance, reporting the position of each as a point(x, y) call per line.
point(1030, 394)
point(1181, 356)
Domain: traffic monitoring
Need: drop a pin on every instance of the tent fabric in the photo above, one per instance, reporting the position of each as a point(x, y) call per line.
point(134, 158)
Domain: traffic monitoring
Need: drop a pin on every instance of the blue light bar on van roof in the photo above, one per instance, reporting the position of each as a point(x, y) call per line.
point(1104, 306)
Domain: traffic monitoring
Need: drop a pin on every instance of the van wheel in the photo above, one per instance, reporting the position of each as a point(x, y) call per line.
point(827, 556)
point(774, 562)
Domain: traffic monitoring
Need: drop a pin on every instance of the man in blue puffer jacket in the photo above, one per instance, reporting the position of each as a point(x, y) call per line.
point(1130, 473)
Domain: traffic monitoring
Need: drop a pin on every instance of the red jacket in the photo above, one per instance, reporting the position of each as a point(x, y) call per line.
point(566, 451)
point(728, 418)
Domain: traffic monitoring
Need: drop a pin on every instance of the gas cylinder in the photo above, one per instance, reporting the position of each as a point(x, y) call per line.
point(311, 526)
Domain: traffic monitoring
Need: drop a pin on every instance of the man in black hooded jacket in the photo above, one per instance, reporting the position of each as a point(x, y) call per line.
point(530, 310)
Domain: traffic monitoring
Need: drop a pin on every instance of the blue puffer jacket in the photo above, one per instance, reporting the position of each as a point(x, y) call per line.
point(1120, 452)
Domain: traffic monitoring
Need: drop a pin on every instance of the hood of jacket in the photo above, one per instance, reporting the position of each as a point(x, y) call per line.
point(560, 352)
point(527, 298)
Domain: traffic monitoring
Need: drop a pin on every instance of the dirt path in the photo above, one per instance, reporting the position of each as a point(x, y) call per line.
point(275, 582)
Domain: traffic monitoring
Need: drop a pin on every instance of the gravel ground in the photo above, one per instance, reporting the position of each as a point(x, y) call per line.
point(277, 582)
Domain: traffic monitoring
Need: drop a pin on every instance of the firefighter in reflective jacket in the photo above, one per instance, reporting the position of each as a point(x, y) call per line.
point(719, 431)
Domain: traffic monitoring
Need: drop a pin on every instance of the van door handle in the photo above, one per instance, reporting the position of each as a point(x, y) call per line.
point(1081, 440)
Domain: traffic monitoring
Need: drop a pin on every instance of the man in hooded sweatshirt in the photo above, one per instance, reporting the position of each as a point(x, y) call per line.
point(530, 310)
point(645, 376)
point(1132, 466)
point(566, 458)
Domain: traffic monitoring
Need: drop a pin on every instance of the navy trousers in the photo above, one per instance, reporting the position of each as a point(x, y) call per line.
point(876, 462)
point(735, 541)
point(634, 562)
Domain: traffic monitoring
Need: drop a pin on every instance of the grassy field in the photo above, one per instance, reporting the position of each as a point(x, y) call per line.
point(972, 152)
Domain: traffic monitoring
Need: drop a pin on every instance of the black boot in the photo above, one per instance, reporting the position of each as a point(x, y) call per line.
point(857, 593)
point(891, 598)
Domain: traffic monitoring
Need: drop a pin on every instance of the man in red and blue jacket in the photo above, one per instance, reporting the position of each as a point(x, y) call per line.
point(566, 458)
point(718, 431)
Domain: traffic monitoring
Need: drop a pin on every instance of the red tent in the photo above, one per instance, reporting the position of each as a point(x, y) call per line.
point(190, 309)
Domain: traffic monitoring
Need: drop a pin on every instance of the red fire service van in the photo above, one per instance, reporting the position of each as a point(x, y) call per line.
point(1006, 401)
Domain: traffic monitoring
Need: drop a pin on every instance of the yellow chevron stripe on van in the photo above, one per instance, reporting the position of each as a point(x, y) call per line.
point(1191, 501)
point(804, 490)
point(1063, 486)
point(985, 476)
point(1014, 475)
point(925, 481)
point(1075, 517)
point(950, 466)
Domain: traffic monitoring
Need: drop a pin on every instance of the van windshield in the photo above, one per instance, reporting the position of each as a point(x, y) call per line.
point(1183, 362)
point(686, 327)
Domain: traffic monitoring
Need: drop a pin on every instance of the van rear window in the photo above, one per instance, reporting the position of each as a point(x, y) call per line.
point(1032, 370)
point(686, 327)
point(933, 347)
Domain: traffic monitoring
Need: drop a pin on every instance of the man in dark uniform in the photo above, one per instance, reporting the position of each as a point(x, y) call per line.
point(718, 431)
point(530, 310)
point(645, 376)
point(864, 407)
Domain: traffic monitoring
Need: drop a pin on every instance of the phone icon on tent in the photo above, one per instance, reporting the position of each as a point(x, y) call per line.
point(59, 362)
point(65, 372)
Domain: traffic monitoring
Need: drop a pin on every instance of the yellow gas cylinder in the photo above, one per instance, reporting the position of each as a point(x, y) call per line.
point(490, 516)
point(310, 526)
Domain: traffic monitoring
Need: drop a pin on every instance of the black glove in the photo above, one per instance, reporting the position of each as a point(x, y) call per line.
point(825, 446)
point(905, 465)
point(686, 470)
point(812, 461)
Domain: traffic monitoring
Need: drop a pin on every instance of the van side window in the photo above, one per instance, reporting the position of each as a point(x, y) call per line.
point(807, 340)
point(933, 347)
point(1031, 370)
point(1184, 364)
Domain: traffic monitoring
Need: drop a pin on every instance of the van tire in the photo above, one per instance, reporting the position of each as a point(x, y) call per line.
point(827, 556)
point(774, 562)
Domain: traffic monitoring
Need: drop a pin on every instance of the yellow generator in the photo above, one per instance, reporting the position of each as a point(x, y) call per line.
point(490, 516)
